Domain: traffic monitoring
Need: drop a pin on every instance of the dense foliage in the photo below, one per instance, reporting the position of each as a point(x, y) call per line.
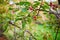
point(28, 21)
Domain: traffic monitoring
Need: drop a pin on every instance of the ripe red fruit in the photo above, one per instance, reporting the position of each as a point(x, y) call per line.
point(51, 4)
point(54, 5)
point(34, 17)
point(30, 8)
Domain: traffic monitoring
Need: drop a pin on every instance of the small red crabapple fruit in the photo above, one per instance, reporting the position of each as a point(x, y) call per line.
point(54, 6)
point(51, 4)
point(35, 17)
point(30, 8)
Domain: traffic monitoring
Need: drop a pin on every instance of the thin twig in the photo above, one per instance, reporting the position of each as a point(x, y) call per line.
point(14, 24)
point(31, 35)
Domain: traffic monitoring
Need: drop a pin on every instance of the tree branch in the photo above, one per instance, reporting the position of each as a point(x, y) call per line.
point(54, 12)
point(13, 24)
point(31, 34)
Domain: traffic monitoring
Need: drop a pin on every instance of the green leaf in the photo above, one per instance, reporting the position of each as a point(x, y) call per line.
point(10, 8)
point(29, 20)
point(46, 6)
point(1, 1)
point(25, 3)
point(24, 10)
point(36, 4)
point(46, 3)
point(23, 24)
point(21, 3)
point(18, 18)
point(5, 27)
